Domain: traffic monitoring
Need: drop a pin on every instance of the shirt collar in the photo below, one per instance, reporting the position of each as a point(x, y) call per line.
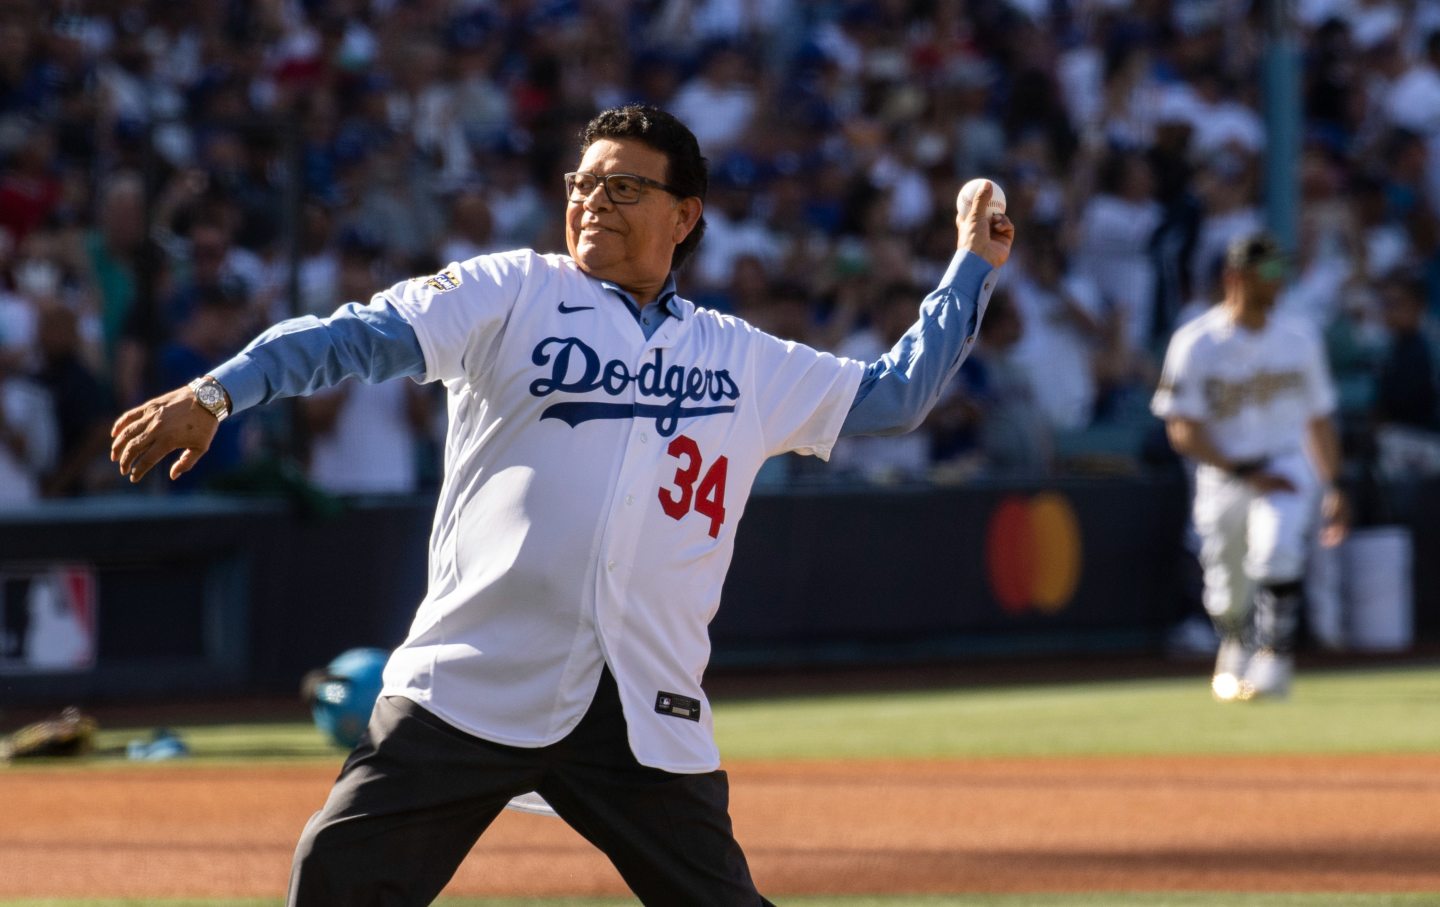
point(668, 298)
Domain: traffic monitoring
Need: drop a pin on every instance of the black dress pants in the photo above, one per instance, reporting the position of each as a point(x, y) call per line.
point(416, 794)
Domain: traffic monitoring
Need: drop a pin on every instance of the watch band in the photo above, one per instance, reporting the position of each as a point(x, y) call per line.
point(210, 394)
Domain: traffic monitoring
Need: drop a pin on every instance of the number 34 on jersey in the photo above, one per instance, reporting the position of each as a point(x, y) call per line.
point(707, 498)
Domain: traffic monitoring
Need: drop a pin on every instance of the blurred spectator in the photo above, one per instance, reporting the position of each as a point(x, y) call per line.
point(1014, 436)
point(18, 324)
point(720, 100)
point(1115, 232)
point(210, 259)
point(895, 458)
point(1226, 188)
point(1354, 344)
point(425, 103)
point(399, 203)
point(1064, 325)
point(29, 187)
point(317, 272)
point(680, 21)
point(364, 437)
point(214, 328)
point(1413, 100)
point(748, 290)
point(1387, 242)
point(1224, 124)
point(482, 106)
point(124, 267)
point(1329, 262)
point(471, 228)
point(1172, 160)
point(779, 308)
point(732, 227)
point(1407, 394)
point(244, 167)
point(83, 407)
point(955, 424)
point(517, 203)
point(28, 435)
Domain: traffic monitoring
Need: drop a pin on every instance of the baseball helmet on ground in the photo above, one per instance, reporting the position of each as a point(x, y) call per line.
point(342, 694)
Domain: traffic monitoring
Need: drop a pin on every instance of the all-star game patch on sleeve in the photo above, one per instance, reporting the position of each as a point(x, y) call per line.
point(459, 312)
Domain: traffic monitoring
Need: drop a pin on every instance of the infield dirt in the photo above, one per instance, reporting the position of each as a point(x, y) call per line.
point(1323, 823)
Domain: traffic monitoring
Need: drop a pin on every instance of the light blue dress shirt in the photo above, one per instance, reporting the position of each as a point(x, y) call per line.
point(374, 343)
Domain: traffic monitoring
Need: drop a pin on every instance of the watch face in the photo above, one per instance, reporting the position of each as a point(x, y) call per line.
point(209, 395)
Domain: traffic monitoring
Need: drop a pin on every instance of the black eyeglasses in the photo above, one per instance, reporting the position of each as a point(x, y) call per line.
point(620, 188)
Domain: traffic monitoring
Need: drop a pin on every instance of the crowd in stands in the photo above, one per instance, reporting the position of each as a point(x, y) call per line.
point(175, 176)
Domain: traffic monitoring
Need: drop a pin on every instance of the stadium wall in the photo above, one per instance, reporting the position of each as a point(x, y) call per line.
point(207, 595)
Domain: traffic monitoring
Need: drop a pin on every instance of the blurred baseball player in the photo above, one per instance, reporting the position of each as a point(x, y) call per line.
point(604, 435)
point(1246, 394)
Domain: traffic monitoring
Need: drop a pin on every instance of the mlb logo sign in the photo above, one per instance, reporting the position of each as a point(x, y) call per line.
point(47, 618)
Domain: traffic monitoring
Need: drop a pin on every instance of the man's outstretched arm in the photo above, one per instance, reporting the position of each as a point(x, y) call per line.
point(900, 388)
point(295, 357)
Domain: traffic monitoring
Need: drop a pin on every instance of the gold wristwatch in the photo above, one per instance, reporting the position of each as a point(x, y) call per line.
point(209, 394)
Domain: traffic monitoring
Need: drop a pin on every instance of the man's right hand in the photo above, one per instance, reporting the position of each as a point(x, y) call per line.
point(988, 235)
point(156, 428)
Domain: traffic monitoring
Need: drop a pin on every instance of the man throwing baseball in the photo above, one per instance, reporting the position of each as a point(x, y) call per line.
point(604, 435)
point(1246, 395)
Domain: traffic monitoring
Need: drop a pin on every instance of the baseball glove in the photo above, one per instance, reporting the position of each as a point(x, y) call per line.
point(71, 733)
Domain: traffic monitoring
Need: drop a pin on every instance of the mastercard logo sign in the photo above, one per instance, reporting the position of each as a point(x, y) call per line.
point(1032, 552)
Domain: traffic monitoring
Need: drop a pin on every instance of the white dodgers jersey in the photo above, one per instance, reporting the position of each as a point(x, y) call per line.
point(1255, 391)
point(594, 480)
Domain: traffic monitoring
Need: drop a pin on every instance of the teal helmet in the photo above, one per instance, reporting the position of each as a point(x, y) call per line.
point(342, 694)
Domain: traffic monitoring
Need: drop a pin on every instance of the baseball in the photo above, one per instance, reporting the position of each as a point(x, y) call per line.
point(972, 188)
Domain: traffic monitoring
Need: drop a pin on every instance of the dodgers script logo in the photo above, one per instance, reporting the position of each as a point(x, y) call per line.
point(577, 369)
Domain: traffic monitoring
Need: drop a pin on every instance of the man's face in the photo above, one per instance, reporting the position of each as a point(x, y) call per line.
point(1261, 283)
point(1264, 282)
point(631, 245)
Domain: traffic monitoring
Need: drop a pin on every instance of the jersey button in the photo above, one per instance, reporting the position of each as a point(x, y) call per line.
point(629, 499)
point(644, 438)
point(610, 566)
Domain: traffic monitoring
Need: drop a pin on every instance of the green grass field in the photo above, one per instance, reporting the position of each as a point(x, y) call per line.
point(1374, 711)
point(1355, 711)
point(1377, 711)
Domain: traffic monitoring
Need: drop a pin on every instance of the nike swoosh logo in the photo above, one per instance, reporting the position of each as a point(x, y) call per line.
point(567, 309)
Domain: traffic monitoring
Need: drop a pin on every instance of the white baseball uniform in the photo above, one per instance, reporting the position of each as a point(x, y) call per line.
point(598, 460)
point(637, 455)
point(599, 457)
point(1255, 392)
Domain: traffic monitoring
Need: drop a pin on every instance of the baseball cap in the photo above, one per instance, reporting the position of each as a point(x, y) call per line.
point(1258, 251)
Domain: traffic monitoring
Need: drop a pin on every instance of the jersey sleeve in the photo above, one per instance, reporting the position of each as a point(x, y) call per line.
point(459, 314)
point(1181, 392)
point(301, 355)
point(803, 395)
